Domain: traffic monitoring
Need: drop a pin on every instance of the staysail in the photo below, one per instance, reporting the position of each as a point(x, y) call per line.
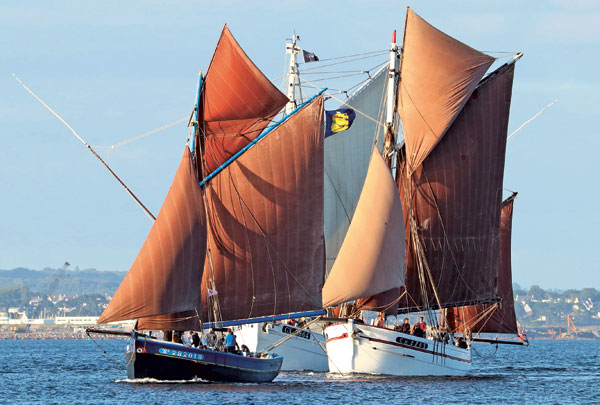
point(347, 156)
point(238, 102)
point(500, 317)
point(453, 198)
point(266, 244)
point(371, 259)
point(437, 76)
point(165, 276)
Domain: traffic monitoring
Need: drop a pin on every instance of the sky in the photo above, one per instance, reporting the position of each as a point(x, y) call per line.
point(114, 70)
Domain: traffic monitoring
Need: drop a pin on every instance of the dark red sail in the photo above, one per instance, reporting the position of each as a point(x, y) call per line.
point(454, 196)
point(165, 276)
point(437, 76)
point(266, 246)
point(494, 318)
point(238, 102)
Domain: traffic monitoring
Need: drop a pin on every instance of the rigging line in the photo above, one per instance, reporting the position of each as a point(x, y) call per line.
point(345, 61)
point(334, 77)
point(212, 299)
point(349, 56)
point(143, 135)
point(337, 194)
point(504, 52)
point(337, 72)
point(346, 104)
point(249, 250)
point(146, 210)
point(105, 353)
point(293, 334)
point(446, 238)
point(287, 270)
point(531, 119)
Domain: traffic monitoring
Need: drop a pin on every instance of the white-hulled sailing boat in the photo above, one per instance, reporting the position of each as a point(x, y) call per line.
point(449, 175)
point(239, 238)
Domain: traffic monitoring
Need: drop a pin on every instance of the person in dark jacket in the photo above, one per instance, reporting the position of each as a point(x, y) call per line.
point(405, 327)
point(194, 339)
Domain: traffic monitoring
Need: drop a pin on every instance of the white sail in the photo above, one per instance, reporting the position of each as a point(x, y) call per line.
point(347, 156)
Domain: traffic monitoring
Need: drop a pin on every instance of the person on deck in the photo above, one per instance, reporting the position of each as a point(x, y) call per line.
point(405, 327)
point(380, 321)
point(230, 343)
point(419, 328)
point(194, 339)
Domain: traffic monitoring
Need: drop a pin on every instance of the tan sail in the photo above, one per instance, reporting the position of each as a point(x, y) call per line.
point(455, 195)
point(266, 242)
point(437, 76)
point(238, 102)
point(165, 276)
point(494, 318)
point(371, 259)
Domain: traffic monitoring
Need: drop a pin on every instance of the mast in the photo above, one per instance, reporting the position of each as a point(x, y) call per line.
point(293, 82)
point(390, 136)
point(388, 300)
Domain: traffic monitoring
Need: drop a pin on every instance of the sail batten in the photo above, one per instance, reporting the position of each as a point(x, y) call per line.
point(437, 76)
point(371, 259)
point(165, 276)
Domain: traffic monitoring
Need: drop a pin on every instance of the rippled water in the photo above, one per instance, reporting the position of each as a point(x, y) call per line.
point(73, 371)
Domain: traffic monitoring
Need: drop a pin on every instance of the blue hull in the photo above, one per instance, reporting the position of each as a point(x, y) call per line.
point(151, 358)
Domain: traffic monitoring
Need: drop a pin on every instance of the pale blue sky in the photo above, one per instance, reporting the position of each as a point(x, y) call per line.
point(116, 69)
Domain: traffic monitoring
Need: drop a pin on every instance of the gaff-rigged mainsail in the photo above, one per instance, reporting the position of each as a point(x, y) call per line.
point(238, 102)
point(454, 196)
point(500, 317)
point(266, 223)
point(437, 76)
point(165, 276)
point(371, 259)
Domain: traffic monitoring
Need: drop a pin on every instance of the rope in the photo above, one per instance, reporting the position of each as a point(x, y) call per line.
point(293, 334)
point(117, 366)
point(143, 135)
point(346, 104)
point(351, 56)
point(146, 210)
point(481, 355)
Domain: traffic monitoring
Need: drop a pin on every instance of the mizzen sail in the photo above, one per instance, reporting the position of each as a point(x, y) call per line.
point(238, 102)
point(437, 76)
point(371, 259)
point(453, 198)
point(500, 317)
point(165, 276)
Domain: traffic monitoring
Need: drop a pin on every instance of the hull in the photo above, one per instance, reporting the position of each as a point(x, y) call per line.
point(150, 358)
point(360, 348)
point(302, 352)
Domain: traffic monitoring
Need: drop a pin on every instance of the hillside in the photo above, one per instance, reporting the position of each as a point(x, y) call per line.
point(21, 287)
point(61, 281)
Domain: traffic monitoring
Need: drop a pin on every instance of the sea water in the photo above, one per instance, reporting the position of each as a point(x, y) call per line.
point(80, 371)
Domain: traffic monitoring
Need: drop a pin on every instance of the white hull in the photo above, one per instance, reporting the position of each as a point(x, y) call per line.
point(300, 353)
point(360, 348)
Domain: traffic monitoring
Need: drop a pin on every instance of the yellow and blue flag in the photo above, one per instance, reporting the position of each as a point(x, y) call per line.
point(338, 120)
